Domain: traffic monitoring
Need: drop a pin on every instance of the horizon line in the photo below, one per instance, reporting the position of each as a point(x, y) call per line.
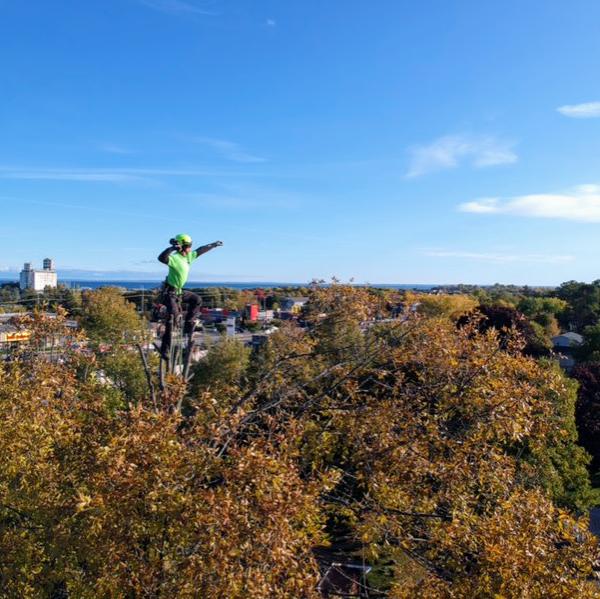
point(5, 278)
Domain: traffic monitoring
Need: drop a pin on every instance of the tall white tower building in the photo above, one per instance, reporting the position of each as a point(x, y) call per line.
point(38, 280)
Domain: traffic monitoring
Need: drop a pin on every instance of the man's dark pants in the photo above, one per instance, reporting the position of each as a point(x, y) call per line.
point(170, 299)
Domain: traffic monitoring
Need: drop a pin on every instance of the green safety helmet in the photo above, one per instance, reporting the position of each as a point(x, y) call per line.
point(183, 239)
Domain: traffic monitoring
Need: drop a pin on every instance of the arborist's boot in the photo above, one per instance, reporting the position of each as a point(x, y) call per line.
point(165, 344)
point(164, 350)
point(188, 332)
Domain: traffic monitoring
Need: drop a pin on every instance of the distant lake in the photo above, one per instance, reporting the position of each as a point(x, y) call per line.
point(153, 284)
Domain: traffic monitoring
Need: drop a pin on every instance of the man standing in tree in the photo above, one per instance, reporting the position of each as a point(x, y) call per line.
point(178, 257)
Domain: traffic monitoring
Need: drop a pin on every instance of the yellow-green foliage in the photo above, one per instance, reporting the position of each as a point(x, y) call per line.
point(438, 452)
point(109, 317)
point(130, 504)
point(450, 306)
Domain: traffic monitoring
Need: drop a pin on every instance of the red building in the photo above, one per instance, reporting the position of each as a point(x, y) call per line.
point(252, 312)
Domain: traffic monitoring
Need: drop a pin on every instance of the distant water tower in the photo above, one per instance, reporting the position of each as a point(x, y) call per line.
point(48, 264)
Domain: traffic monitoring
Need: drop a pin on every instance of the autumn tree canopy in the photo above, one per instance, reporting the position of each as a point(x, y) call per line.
point(439, 454)
point(108, 317)
point(588, 409)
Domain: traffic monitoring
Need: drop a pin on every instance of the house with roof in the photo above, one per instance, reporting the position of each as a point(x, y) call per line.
point(565, 347)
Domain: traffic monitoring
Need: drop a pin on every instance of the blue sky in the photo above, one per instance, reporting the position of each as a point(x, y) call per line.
point(389, 141)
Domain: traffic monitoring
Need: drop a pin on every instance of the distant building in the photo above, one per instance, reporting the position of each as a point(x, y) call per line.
point(251, 312)
point(567, 340)
point(266, 315)
point(38, 280)
point(293, 305)
point(258, 341)
point(11, 334)
point(230, 323)
point(565, 346)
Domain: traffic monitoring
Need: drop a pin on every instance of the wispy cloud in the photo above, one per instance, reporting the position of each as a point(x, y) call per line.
point(176, 7)
point(452, 151)
point(588, 110)
point(228, 149)
point(82, 175)
point(102, 208)
point(579, 204)
point(500, 257)
point(111, 148)
point(108, 175)
point(271, 23)
point(230, 202)
point(245, 196)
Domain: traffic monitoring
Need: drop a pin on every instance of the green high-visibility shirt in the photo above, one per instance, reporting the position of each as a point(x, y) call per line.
point(179, 269)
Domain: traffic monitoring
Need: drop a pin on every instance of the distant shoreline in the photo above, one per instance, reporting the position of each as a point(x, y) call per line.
point(153, 284)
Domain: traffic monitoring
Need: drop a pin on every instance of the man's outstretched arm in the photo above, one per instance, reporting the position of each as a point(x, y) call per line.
point(206, 248)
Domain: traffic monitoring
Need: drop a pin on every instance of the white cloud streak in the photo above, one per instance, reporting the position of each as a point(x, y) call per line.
point(588, 110)
point(228, 150)
point(107, 175)
point(581, 204)
point(101, 208)
point(81, 175)
point(231, 202)
point(176, 7)
point(500, 258)
point(111, 148)
point(250, 199)
point(248, 196)
point(452, 151)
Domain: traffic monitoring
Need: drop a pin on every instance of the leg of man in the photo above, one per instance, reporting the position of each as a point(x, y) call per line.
point(170, 301)
point(193, 302)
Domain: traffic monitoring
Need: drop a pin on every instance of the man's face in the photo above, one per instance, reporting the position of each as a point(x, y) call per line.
point(185, 250)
